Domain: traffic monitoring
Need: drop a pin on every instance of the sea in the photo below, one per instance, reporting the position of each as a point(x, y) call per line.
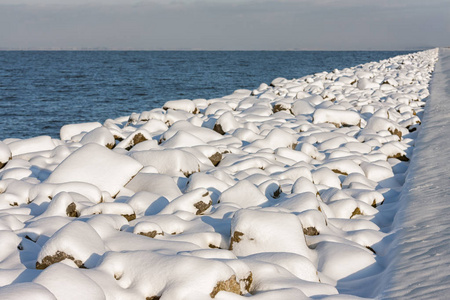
point(40, 91)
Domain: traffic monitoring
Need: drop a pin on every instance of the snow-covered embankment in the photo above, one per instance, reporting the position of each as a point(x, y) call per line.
point(285, 192)
point(421, 256)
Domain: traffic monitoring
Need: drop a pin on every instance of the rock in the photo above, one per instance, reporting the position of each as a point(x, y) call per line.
point(215, 158)
point(135, 138)
point(184, 104)
point(68, 131)
point(26, 290)
point(114, 208)
point(302, 107)
point(336, 117)
point(231, 285)
point(258, 231)
point(366, 84)
point(96, 165)
point(5, 154)
point(244, 194)
point(339, 260)
point(172, 162)
point(149, 229)
point(226, 123)
point(159, 184)
point(69, 283)
point(197, 202)
point(56, 258)
point(76, 241)
point(36, 144)
point(101, 136)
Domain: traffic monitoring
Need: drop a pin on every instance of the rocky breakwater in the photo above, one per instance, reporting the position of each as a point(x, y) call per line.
point(284, 192)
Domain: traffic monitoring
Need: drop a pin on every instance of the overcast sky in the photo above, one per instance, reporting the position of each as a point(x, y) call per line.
point(227, 25)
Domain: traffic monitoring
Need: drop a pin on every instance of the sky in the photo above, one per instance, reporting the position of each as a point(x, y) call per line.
point(225, 25)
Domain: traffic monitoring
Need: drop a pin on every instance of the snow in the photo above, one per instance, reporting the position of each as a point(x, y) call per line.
point(170, 161)
point(68, 131)
point(97, 165)
point(420, 251)
point(5, 154)
point(66, 282)
point(257, 231)
point(301, 188)
point(244, 194)
point(36, 144)
point(101, 136)
point(76, 239)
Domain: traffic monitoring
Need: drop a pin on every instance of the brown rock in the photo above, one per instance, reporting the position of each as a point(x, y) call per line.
point(57, 257)
point(218, 129)
point(278, 107)
point(137, 138)
point(215, 158)
point(230, 285)
point(277, 193)
point(71, 210)
point(399, 157)
point(151, 234)
point(129, 217)
point(236, 238)
point(339, 172)
point(202, 206)
point(310, 231)
point(396, 132)
point(357, 211)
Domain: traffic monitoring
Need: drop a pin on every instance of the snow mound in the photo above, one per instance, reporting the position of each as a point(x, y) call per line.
point(96, 165)
point(77, 241)
point(257, 231)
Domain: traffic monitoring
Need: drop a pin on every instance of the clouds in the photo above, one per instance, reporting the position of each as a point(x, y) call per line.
point(236, 24)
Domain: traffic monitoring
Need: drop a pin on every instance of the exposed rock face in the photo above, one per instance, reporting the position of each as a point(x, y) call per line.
point(150, 234)
point(400, 156)
point(71, 210)
point(310, 231)
point(230, 285)
point(202, 207)
point(56, 258)
point(130, 217)
point(218, 129)
point(137, 138)
point(235, 238)
point(215, 158)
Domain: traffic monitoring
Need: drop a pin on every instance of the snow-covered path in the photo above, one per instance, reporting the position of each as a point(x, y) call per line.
point(421, 267)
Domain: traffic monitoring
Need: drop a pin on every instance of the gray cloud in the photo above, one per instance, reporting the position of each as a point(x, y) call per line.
point(237, 24)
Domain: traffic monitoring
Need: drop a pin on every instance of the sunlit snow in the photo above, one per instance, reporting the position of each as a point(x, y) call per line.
point(288, 191)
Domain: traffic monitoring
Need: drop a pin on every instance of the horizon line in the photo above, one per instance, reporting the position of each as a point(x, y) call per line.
point(200, 50)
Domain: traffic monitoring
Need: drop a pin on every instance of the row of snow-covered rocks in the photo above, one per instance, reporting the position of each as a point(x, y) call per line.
point(284, 192)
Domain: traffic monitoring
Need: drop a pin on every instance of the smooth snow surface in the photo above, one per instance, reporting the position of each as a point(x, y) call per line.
point(288, 191)
point(420, 268)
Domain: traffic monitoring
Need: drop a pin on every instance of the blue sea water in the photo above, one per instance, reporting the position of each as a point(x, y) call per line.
point(40, 91)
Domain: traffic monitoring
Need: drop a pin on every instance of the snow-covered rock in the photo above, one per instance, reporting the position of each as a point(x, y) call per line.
point(71, 130)
point(259, 231)
point(77, 241)
point(97, 165)
point(288, 191)
point(5, 154)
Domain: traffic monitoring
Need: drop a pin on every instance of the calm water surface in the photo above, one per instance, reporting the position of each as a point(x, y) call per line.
point(40, 91)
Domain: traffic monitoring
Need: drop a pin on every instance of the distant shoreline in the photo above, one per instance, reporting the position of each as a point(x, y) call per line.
point(207, 50)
